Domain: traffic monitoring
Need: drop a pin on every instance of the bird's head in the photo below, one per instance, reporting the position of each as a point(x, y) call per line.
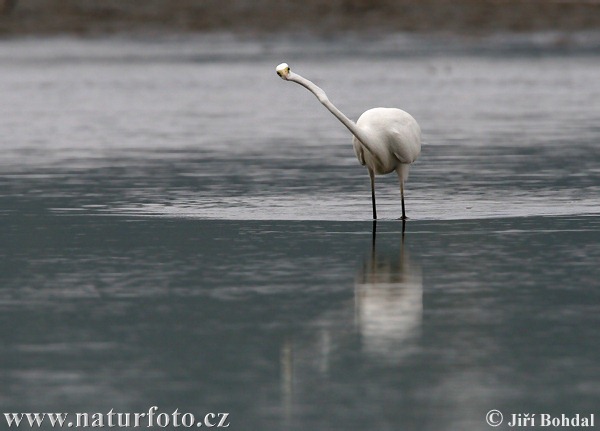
point(283, 70)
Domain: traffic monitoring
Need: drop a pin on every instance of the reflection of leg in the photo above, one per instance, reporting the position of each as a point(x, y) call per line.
point(287, 376)
point(374, 236)
point(401, 261)
point(372, 176)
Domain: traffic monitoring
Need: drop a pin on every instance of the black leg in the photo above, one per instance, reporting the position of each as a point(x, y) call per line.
point(372, 175)
point(402, 196)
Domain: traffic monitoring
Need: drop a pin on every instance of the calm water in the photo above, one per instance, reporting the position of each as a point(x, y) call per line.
point(181, 228)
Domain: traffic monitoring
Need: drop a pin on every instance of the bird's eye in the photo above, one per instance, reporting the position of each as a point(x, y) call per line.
point(279, 73)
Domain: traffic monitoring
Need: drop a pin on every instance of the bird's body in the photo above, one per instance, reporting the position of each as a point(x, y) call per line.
point(396, 138)
point(385, 139)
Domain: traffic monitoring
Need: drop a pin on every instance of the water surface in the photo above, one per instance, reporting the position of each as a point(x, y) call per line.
point(181, 228)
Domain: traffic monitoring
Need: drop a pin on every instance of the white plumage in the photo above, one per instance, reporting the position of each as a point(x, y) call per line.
point(385, 139)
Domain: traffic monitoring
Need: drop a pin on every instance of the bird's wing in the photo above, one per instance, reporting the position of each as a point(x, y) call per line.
point(400, 158)
point(406, 144)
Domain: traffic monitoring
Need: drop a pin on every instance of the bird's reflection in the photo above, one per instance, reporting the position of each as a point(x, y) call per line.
point(389, 301)
point(382, 322)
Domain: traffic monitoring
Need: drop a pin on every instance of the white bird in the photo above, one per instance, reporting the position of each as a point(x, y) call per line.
point(385, 139)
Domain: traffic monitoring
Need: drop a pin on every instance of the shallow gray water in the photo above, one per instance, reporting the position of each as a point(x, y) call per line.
point(183, 229)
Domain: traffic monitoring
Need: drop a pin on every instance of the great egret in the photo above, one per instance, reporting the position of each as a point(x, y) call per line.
point(385, 139)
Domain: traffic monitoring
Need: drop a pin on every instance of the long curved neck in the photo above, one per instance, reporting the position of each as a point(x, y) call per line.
point(317, 91)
